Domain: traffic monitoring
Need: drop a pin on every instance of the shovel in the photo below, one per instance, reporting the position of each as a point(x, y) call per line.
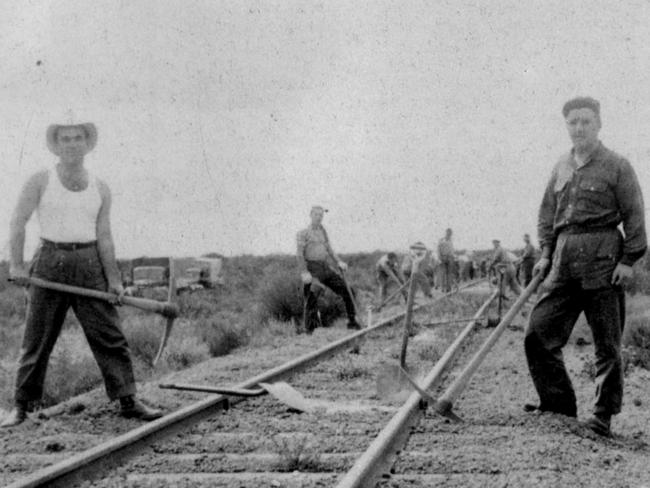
point(391, 379)
point(491, 322)
point(281, 391)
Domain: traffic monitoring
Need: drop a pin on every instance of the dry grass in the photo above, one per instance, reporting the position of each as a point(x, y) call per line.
point(297, 453)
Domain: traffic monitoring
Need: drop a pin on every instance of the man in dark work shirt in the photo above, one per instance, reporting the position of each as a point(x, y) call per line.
point(586, 260)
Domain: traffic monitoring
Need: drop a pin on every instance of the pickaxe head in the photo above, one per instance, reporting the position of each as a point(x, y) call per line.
point(170, 311)
point(444, 408)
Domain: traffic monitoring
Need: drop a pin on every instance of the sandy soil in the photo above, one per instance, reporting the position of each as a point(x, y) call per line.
point(261, 443)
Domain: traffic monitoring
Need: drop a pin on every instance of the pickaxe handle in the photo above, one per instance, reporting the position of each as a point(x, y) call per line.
point(245, 392)
point(167, 309)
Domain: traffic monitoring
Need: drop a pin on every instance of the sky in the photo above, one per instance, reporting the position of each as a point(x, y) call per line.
point(221, 122)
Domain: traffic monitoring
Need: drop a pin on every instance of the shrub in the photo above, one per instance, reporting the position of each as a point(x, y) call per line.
point(636, 342)
point(143, 336)
point(282, 299)
point(222, 336)
point(186, 352)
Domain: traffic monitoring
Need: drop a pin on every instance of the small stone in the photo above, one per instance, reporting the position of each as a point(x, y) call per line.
point(637, 402)
point(54, 446)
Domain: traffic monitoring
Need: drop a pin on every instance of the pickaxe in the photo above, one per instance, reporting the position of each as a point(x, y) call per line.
point(444, 404)
point(167, 309)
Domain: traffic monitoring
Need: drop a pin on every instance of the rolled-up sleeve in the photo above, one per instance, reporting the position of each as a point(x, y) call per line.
point(630, 201)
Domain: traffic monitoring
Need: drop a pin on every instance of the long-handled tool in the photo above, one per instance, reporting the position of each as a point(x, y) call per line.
point(451, 321)
point(395, 293)
point(347, 287)
point(391, 380)
point(167, 309)
point(494, 322)
point(280, 390)
point(396, 279)
point(445, 403)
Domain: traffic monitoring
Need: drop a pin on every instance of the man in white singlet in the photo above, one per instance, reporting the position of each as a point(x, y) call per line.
point(76, 248)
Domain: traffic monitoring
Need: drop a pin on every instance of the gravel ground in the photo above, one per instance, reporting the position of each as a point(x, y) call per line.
point(260, 443)
point(500, 445)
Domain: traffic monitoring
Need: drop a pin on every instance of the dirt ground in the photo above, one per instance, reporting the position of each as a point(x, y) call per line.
point(497, 445)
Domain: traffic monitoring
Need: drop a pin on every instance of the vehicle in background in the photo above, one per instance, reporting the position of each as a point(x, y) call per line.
point(150, 276)
point(206, 273)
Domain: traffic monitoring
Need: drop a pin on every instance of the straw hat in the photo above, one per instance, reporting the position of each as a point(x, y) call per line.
point(88, 128)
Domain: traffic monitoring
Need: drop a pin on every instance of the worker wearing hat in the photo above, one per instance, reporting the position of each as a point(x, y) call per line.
point(586, 261)
point(527, 261)
point(316, 259)
point(76, 248)
point(424, 276)
point(502, 263)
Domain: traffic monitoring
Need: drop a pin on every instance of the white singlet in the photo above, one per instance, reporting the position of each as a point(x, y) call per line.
point(69, 216)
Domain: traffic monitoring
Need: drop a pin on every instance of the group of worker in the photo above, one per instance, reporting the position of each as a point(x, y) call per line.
point(585, 261)
point(591, 228)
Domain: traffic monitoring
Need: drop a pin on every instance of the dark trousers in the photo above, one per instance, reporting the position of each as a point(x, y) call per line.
point(551, 322)
point(527, 266)
point(447, 278)
point(46, 313)
point(328, 277)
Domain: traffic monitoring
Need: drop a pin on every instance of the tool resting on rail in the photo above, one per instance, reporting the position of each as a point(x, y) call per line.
point(445, 403)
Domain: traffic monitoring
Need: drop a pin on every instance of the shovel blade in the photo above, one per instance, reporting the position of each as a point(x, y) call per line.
point(391, 380)
point(285, 393)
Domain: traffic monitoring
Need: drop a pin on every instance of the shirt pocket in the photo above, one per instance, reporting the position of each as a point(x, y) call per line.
point(593, 195)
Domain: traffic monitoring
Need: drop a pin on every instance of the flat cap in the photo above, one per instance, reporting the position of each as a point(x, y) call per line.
point(581, 102)
point(318, 207)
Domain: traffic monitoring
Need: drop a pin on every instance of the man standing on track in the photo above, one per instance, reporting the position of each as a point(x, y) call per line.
point(592, 190)
point(77, 249)
point(527, 261)
point(447, 261)
point(315, 256)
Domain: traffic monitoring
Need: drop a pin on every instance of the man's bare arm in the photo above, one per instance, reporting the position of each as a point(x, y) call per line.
point(105, 243)
point(28, 200)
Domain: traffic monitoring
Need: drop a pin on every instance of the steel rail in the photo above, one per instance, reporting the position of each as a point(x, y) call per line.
point(446, 401)
point(378, 458)
point(90, 463)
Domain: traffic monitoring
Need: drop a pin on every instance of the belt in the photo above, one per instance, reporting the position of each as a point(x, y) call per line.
point(68, 246)
point(584, 229)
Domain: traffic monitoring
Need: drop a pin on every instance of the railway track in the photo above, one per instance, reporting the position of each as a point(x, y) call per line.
point(258, 442)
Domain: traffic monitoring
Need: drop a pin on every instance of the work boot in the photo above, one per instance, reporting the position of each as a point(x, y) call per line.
point(132, 408)
point(600, 424)
point(17, 416)
point(353, 325)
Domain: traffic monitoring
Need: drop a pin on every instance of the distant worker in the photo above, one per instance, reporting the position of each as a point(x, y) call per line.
point(447, 260)
point(527, 261)
point(423, 278)
point(502, 263)
point(76, 248)
point(591, 191)
point(387, 272)
point(316, 259)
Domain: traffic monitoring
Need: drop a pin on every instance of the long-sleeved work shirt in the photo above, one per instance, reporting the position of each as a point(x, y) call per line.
point(445, 250)
point(529, 252)
point(313, 245)
point(601, 194)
